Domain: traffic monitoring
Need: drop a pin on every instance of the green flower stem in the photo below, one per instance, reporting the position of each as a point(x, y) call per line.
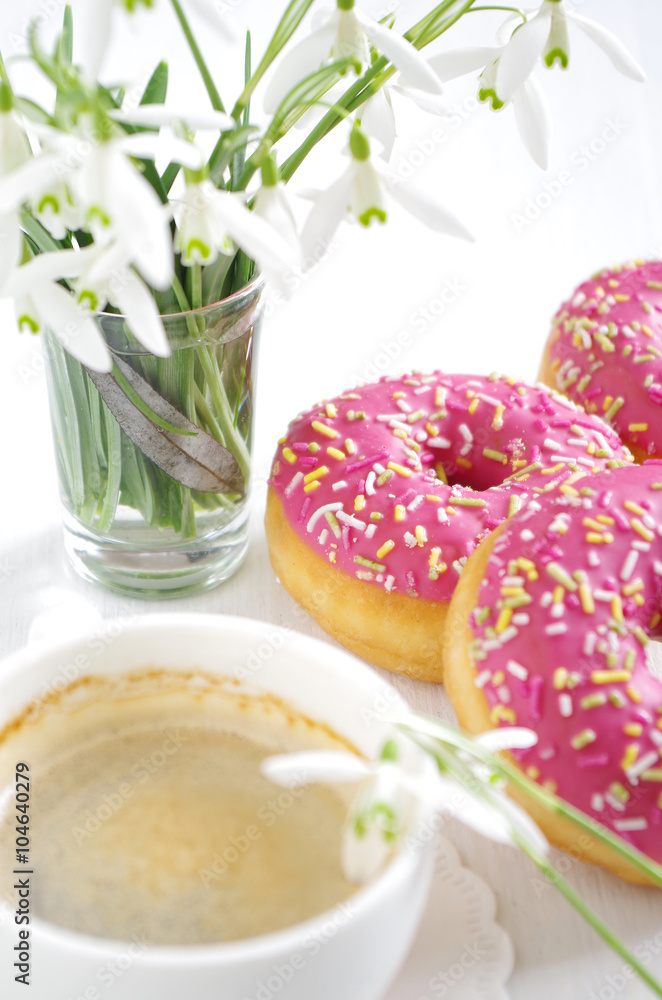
point(224, 415)
point(438, 730)
point(112, 492)
point(214, 95)
point(447, 761)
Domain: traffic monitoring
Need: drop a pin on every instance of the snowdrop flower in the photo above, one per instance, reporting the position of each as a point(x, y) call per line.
point(210, 221)
point(363, 189)
point(41, 303)
point(57, 210)
point(378, 115)
point(387, 806)
point(347, 34)
point(272, 203)
point(14, 153)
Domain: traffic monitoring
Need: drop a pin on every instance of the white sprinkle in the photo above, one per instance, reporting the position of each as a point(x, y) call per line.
point(526, 535)
point(551, 445)
point(597, 802)
point(416, 502)
point(579, 442)
point(466, 433)
point(533, 506)
point(629, 564)
point(656, 737)
point(323, 537)
point(410, 540)
point(557, 610)
point(590, 640)
point(402, 405)
point(340, 485)
point(421, 436)
point(593, 558)
point(614, 802)
point(370, 483)
point(635, 823)
point(293, 484)
point(556, 628)
point(442, 515)
point(565, 705)
point(438, 442)
point(504, 694)
point(423, 389)
point(370, 530)
point(458, 566)
point(508, 634)
point(513, 581)
point(379, 469)
point(349, 519)
point(579, 299)
point(390, 580)
point(588, 462)
point(385, 418)
point(641, 546)
point(546, 599)
point(521, 619)
point(627, 331)
point(657, 567)
point(602, 441)
point(604, 595)
point(336, 507)
point(399, 426)
point(517, 670)
point(642, 764)
point(648, 521)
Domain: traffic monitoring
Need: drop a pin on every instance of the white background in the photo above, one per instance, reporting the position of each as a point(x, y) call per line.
point(428, 301)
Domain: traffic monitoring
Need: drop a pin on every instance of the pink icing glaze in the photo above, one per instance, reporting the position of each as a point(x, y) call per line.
point(400, 527)
point(574, 667)
point(608, 355)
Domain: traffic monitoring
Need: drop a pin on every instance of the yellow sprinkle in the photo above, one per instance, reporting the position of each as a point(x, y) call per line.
point(583, 739)
point(321, 428)
point(560, 678)
point(596, 539)
point(473, 405)
point(435, 554)
point(384, 478)
point(335, 453)
point(604, 342)
point(619, 791)
point(439, 396)
point(432, 498)
point(496, 456)
point(588, 522)
point(617, 608)
point(464, 462)
point(614, 408)
point(552, 469)
point(313, 447)
point(385, 548)
point(512, 591)
point(331, 410)
point(289, 455)
point(586, 597)
point(641, 529)
point(652, 774)
point(315, 474)
point(311, 486)
point(635, 428)
point(359, 502)
point(622, 298)
point(421, 534)
point(609, 676)
point(399, 512)
point(634, 508)
point(400, 434)
point(502, 714)
point(497, 422)
point(498, 678)
point(504, 619)
point(432, 430)
point(561, 576)
point(564, 488)
point(400, 469)
point(376, 516)
point(633, 729)
point(605, 519)
point(559, 594)
point(630, 755)
point(634, 695)
point(593, 700)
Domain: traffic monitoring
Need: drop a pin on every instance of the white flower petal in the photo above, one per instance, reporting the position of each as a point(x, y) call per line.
point(272, 204)
point(157, 115)
point(91, 36)
point(459, 62)
point(148, 145)
point(534, 120)
point(402, 54)
point(10, 245)
point(363, 857)
point(327, 213)
point(78, 333)
point(522, 822)
point(425, 208)
point(14, 145)
point(432, 104)
point(44, 268)
point(521, 54)
point(314, 766)
point(134, 300)
point(378, 120)
point(615, 51)
point(255, 237)
point(35, 175)
point(217, 18)
point(301, 60)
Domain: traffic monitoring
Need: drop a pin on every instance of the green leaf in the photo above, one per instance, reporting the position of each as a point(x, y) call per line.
point(141, 405)
point(303, 96)
point(289, 22)
point(33, 111)
point(66, 41)
point(225, 149)
point(157, 86)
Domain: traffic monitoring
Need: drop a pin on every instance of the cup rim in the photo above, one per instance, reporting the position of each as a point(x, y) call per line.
point(365, 899)
point(257, 282)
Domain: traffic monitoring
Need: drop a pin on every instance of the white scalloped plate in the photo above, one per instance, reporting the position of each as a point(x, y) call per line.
point(460, 950)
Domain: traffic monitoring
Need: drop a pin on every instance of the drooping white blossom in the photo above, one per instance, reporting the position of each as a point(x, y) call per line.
point(272, 203)
point(348, 33)
point(362, 192)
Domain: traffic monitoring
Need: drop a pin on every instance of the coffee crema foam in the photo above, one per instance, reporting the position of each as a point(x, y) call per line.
point(150, 818)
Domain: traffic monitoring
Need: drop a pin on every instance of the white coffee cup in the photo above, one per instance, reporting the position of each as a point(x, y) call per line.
point(352, 952)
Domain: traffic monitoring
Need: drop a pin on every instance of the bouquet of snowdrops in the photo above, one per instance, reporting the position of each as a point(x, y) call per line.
point(117, 259)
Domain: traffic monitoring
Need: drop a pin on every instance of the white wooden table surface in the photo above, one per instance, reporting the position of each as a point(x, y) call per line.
point(381, 302)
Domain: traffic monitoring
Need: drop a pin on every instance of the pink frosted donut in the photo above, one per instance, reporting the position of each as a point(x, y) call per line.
point(605, 352)
point(553, 616)
point(378, 497)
